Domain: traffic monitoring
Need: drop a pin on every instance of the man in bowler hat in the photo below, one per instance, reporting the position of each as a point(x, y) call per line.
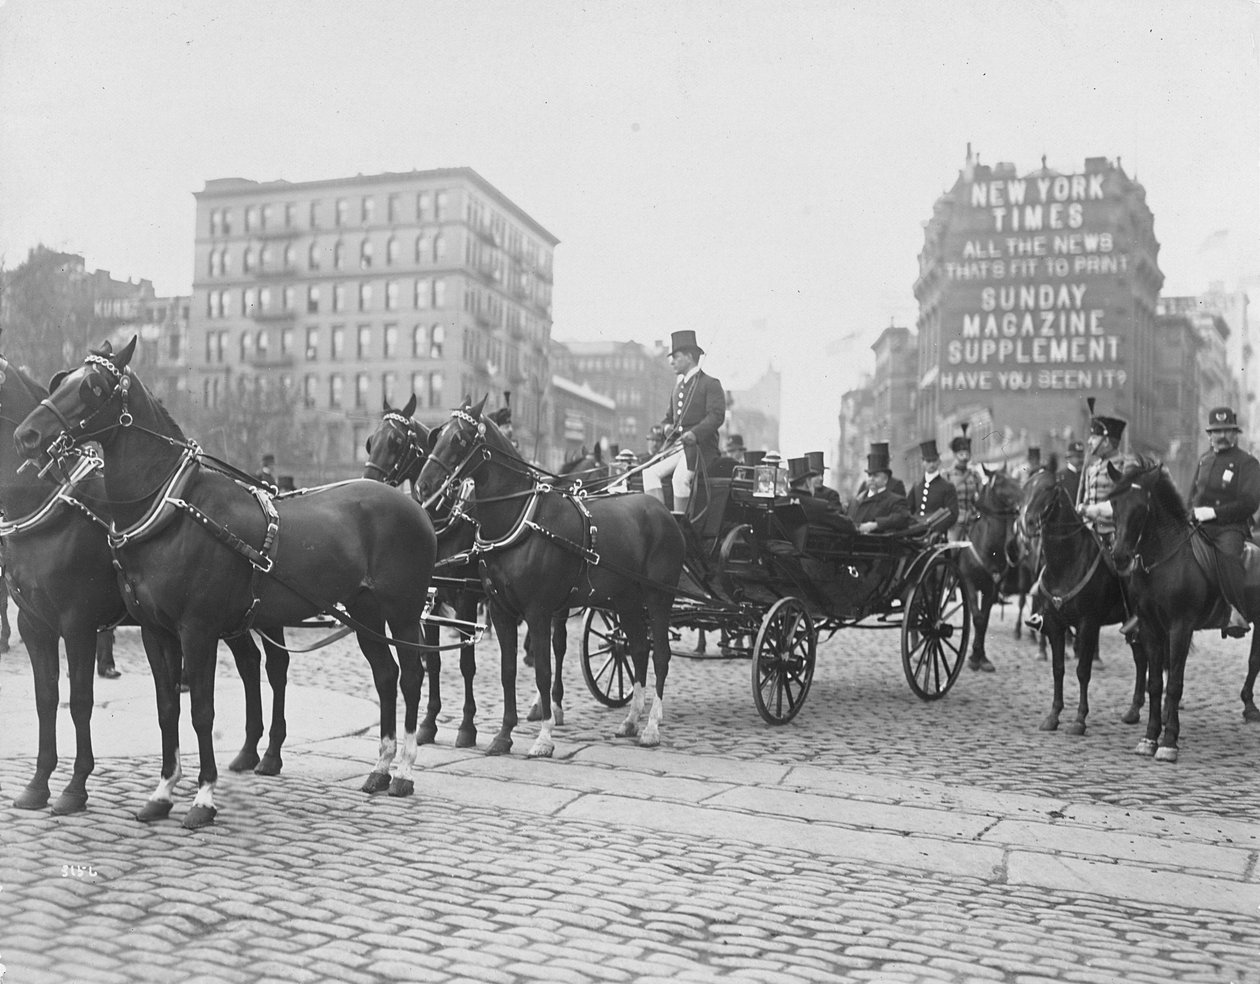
point(696, 411)
point(933, 491)
point(1223, 496)
point(878, 509)
point(1070, 475)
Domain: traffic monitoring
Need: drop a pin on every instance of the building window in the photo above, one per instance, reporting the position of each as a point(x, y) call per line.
point(289, 294)
point(314, 217)
point(247, 340)
point(339, 297)
point(389, 382)
point(312, 344)
point(360, 390)
point(214, 221)
point(435, 389)
point(439, 206)
point(264, 299)
point(227, 222)
point(339, 255)
point(338, 345)
point(312, 300)
point(391, 251)
point(290, 214)
point(422, 204)
point(417, 341)
point(247, 302)
point(393, 207)
point(312, 256)
point(335, 383)
point(251, 217)
point(417, 387)
point(365, 297)
point(309, 385)
point(225, 262)
point(286, 342)
point(365, 255)
point(424, 293)
point(391, 295)
point(439, 293)
point(363, 342)
point(437, 336)
point(290, 254)
point(264, 217)
point(264, 257)
point(247, 260)
point(422, 247)
point(391, 342)
point(262, 344)
point(343, 211)
point(439, 247)
point(367, 208)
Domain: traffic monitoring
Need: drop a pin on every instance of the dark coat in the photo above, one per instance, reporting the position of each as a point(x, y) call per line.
point(1229, 482)
point(1070, 479)
point(938, 494)
point(703, 410)
point(886, 509)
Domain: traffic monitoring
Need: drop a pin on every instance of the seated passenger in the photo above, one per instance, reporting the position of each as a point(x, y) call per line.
point(877, 510)
point(819, 512)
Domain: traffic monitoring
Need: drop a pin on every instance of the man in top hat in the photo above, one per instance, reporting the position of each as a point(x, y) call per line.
point(967, 481)
point(878, 509)
point(819, 511)
point(1033, 464)
point(933, 491)
point(1070, 476)
point(820, 490)
point(731, 456)
point(695, 413)
point(267, 473)
point(735, 448)
point(655, 439)
point(503, 417)
point(1223, 496)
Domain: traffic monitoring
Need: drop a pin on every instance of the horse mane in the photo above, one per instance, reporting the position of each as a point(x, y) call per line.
point(159, 409)
point(1006, 488)
point(1164, 494)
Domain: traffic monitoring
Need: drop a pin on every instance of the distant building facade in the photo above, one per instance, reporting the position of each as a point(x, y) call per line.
point(635, 377)
point(350, 291)
point(582, 419)
point(754, 414)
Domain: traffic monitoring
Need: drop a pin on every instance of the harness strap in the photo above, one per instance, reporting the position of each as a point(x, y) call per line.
point(63, 495)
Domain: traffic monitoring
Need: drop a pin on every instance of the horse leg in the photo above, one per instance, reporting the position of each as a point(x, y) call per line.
point(1058, 643)
point(657, 613)
point(5, 631)
point(635, 626)
point(41, 647)
point(200, 650)
point(385, 678)
point(539, 638)
point(81, 671)
point(1086, 648)
point(426, 733)
point(278, 679)
point(249, 668)
point(505, 627)
point(466, 610)
point(1253, 668)
point(165, 656)
point(1156, 646)
point(559, 649)
point(1134, 714)
point(411, 680)
point(980, 623)
point(1019, 616)
point(1178, 650)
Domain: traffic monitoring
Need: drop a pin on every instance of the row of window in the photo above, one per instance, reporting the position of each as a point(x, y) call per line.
point(267, 217)
point(255, 302)
point(427, 248)
point(427, 342)
point(330, 392)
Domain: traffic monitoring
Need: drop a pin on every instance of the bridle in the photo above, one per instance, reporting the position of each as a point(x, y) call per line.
point(412, 457)
point(1137, 562)
point(1008, 515)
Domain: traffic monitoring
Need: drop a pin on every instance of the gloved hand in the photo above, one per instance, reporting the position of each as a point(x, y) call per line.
point(1204, 514)
point(688, 438)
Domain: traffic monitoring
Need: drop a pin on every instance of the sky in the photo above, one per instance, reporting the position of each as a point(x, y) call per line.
point(759, 172)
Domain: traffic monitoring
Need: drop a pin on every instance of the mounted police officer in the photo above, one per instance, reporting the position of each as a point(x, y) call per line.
point(1223, 496)
point(933, 491)
point(967, 482)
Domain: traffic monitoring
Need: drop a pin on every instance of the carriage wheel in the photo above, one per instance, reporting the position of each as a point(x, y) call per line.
point(783, 661)
point(935, 628)
point(606, 664)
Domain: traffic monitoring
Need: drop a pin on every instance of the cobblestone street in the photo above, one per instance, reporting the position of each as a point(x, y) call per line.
point(875, 838)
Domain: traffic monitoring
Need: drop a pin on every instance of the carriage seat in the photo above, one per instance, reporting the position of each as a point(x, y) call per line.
point(932, 525)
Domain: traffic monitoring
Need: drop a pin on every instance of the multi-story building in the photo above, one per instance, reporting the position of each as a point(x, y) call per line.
point(160, 325)
point(347, 292)
point(582, 418)
point(637, 378)
point(893, 409)
point(1177, 415)
point(857, 424)
point(754, 413)
point(1036, 292)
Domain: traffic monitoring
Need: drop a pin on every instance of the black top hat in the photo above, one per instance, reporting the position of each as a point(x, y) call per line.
point(1034, 457)
point(962, 442)
point(753, 457)
point(735, 441)
point(877, 460)
point(816, 462)
point(799, 469)
point(1223, 419)
point(268, 459)
point(681, 341)
point(1112, 427)
point(502, 417)
point(928, 450)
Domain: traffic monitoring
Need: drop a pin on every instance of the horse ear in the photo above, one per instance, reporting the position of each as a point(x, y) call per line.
point(56, 380)
point(124, 357)
point(410, 408)
point(385, 407)
point(433, 437)
point(367, 445)
point(475, 412)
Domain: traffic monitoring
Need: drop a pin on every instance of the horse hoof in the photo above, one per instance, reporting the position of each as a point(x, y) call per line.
point(466, 738)
point(269, 765)
point(500, 746)
point(1165, 754)
point(1075, 728)
point(32, 799)
point(68, 803)
point(1145, 747)
point(199, 816)
point(376, 782)
point(1132, 716)
point(154, 810)
point(649, 740)
point(982, 664)
point(402, 787)
point(628, 729)
point(542, 750)
point(1050, 724)
point(1251, 714)
point(426, 734)
point(244, 761)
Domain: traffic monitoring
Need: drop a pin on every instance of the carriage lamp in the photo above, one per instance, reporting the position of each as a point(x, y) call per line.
point(768, 478)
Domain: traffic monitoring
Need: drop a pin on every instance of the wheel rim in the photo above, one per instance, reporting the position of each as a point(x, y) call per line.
point(935, 630)
point(783, 661)
point(606, 664)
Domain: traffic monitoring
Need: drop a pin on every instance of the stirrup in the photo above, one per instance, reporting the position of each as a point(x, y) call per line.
point(1035, 620)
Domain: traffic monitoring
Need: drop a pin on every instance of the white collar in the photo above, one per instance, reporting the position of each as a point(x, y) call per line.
point(689, 373)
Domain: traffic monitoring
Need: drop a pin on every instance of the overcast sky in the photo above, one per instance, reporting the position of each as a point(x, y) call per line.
point(757, 171)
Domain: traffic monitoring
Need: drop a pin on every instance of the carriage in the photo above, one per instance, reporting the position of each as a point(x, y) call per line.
point(757, 570)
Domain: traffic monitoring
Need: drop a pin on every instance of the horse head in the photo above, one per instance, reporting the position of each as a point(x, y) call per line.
point(1143, 499)
point(397, 448)
point(993, 535)
point(464, 447)
point(86, 403)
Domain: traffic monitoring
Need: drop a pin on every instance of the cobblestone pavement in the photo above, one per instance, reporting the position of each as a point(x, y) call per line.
point(876, 838)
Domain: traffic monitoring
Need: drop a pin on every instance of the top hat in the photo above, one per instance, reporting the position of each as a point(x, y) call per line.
point(656, 430)
point(735, 442)
point(268, 459)
point(1112, 427)
point(681, 340)
point(502, 417)
point(962, 442)
point(1223, 419)
point(928, 450)
point(753, 457)
point(816, 462)
point(799, 469)
point(1034, 457)
point(1076, 447)
point(625, 454)
point(877, 460)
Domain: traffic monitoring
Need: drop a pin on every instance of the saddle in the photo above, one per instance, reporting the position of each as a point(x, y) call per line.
point(1205, 554)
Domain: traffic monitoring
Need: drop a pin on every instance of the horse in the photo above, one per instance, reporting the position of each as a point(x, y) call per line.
point(544, 551)
point(64, 585)
point(587, 470)
point(1173, 584)
point(184, 536)
point(1081, 592)
point(991, 554)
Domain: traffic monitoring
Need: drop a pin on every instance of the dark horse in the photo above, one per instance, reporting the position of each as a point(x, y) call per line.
point(543, 552)
point(205, 557)
point(992, 555)
point(64, 585)
point(1080, 592)
point(1174, 588)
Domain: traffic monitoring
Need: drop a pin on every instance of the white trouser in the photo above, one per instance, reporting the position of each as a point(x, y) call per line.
point(673, 464)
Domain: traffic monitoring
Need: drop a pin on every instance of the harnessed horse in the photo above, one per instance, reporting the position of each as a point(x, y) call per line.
point(202, 556)
point(64, 585)
point(1174, 588)
point(991, 554)
point(1080, 591)
point(542, 551)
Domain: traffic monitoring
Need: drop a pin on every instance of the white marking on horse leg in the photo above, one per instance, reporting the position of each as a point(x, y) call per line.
point(543, 745)
point(652, 733)
point(166, 787)
point(388, 748)
point(630, 726)
point(205, 796)
point(407, 760)
point(557, 714)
